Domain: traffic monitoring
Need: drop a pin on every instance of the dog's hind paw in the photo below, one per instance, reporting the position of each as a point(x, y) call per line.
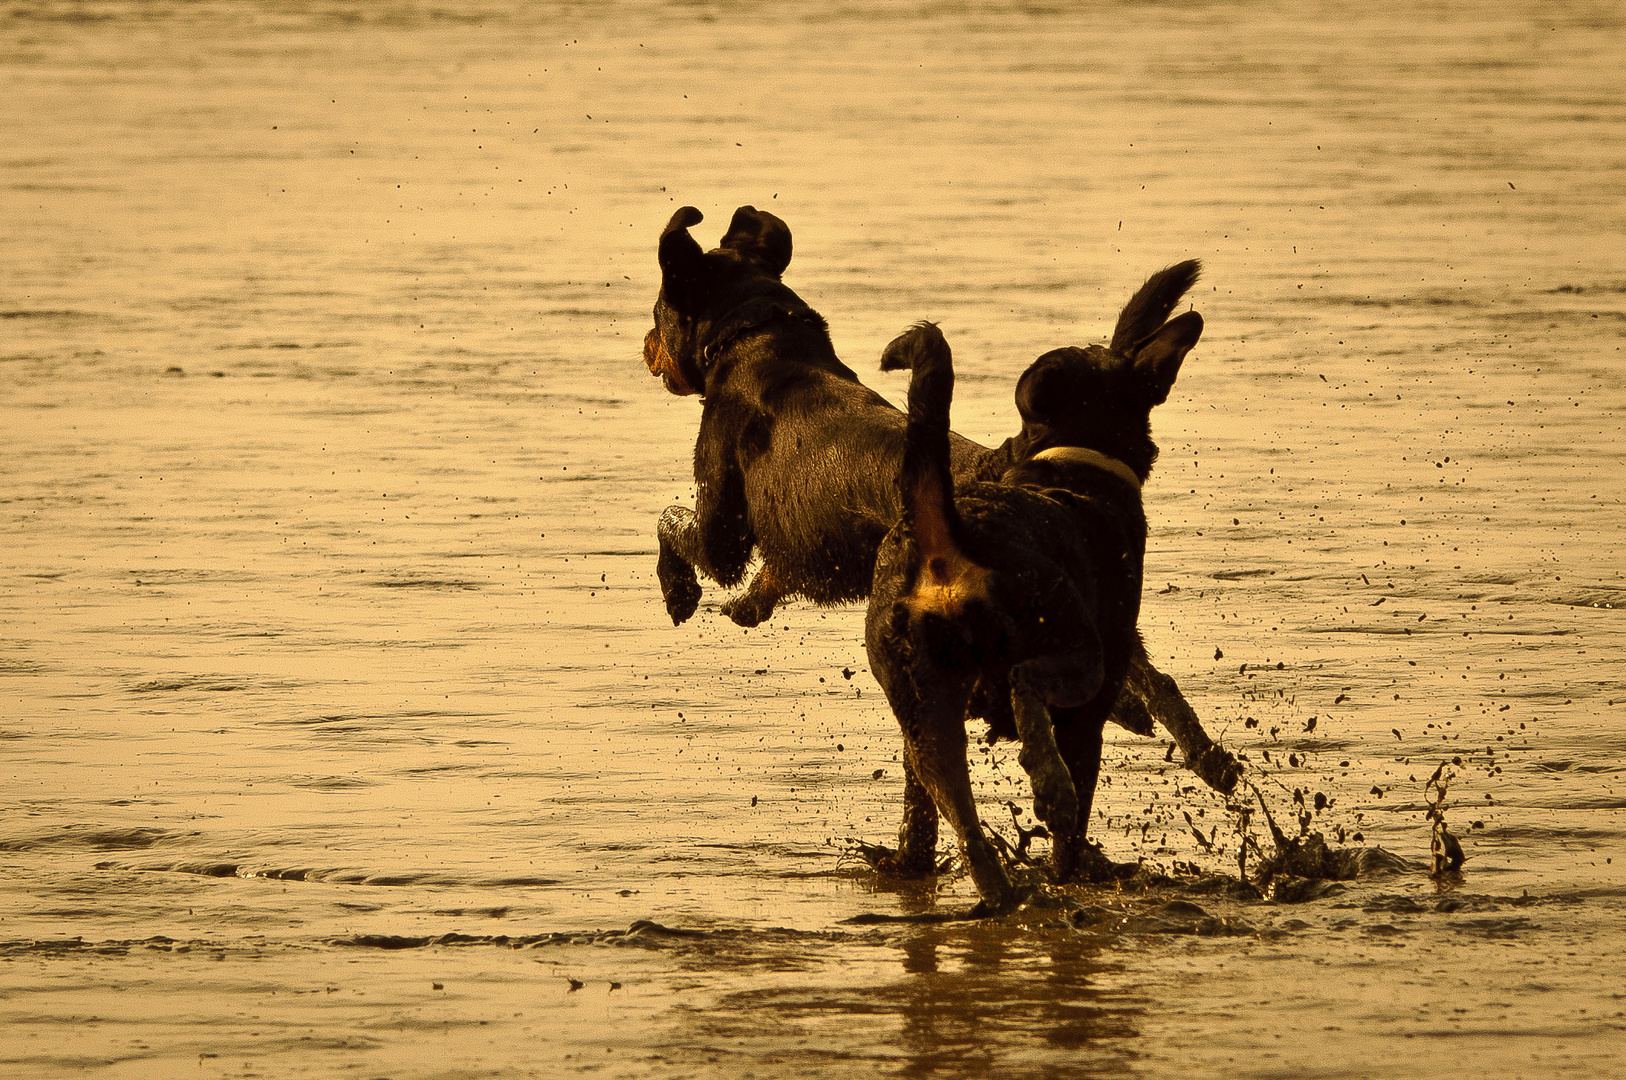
point(1095, 867)
point(1013, 899)
point(1217, 767)
point(1055, 800)
point(1084, 862)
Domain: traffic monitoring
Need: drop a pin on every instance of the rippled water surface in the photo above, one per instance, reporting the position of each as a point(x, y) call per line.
point(343, 730)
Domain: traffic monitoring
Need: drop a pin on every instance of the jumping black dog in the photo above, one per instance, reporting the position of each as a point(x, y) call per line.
point(796, 458)
point(1017, 600)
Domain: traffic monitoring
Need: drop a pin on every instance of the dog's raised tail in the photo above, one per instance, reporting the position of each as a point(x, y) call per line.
point(925, 483)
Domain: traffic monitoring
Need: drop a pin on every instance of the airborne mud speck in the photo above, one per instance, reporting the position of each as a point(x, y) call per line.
point(342, 727)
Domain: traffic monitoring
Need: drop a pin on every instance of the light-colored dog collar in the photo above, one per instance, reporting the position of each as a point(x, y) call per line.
point(1083, 456)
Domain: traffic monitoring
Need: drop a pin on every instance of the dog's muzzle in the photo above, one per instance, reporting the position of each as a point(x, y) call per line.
point(660, 362)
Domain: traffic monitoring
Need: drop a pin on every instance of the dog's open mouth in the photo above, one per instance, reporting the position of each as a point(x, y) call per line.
point(660, 362)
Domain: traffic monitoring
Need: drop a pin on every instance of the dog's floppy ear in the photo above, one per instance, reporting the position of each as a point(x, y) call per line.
point(1048, 384)
point(761, 238)
point(681, 259)
point(1156, 359)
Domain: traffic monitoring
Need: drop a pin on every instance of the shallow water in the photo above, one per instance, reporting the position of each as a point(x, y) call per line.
point(342, 724)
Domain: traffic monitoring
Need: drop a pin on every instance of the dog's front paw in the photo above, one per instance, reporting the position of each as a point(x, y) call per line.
point(679, 586)
point(747, 610)
point(753, 606)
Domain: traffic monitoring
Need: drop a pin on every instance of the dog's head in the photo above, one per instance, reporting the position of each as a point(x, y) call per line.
point(1102, 398)
point(707, 294)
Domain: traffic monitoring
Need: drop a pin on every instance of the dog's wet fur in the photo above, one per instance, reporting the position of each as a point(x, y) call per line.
point(1017, 600)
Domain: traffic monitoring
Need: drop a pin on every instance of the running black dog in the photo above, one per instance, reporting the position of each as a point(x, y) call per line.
point(796, 458)
point(1018, 600)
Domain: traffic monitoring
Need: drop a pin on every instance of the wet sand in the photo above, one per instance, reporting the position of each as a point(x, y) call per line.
point(343, 728)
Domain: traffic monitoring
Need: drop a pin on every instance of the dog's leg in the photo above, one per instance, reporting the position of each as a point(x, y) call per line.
point(937, 777)
point(1133, 712)
point(935, 745)
point(1077, 859)
point(1083, 754)
point(917, 836)
point(715, 537)
point(757, 602)
point(680, 548)
point(1055, 798)
point(1160, 697)
point(887, 643)
point(1066, 680)
point(916, 854)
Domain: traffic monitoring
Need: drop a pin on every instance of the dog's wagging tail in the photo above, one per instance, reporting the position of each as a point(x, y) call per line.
point(950, 579)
